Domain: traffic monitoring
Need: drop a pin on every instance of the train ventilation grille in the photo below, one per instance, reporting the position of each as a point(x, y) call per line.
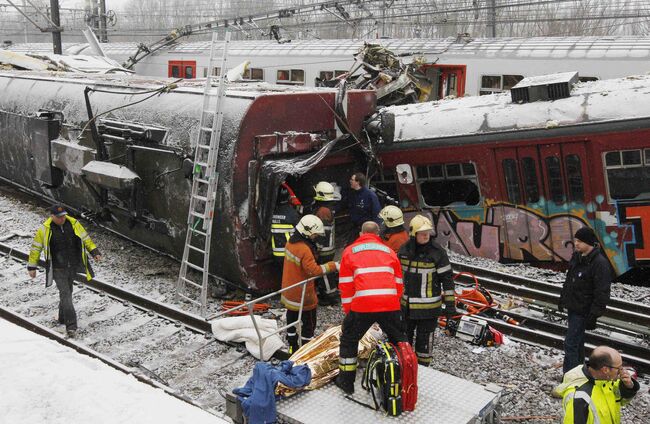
point(544, 87)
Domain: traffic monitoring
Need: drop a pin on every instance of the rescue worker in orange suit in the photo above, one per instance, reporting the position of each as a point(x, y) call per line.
point(370, 281)
point(283, 222)
point(392, 232)
point(426, 268)
point(300, 264)
point(323, 207)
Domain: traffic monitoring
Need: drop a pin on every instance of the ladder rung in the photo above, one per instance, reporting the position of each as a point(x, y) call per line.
point(202, 181)
point(203, 164)
point(194, 230)
point(195, 248)
point(198, 215)
point(201, 198)
point(197, 285)
point(196, 267)
point(207, 129)
point(204, 146)
point(189, 299)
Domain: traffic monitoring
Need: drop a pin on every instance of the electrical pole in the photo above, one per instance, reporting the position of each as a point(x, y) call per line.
point(103, 33)
point(492, 19)
point(56, 24)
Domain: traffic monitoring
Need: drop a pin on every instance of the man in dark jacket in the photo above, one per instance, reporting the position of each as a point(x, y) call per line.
point(425, 268)
point(585, 294)
point(363, 204)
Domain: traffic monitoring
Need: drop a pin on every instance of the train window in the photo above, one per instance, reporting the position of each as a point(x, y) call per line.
point(510, 81)
point(491, 82)
point(216, 71)
point(442, 185)
point(176, 71)
point(631, 157)
point(451, 85)
point(574, 175)
point(512, 180)
point(529, 172)
point(386, 181)
point(292, 76)
point(297, 75)
point(326, 75)
point(587, 79)
point(627, 176)
point(554, 175)
point(189, 72)
point(283, 76)
point(253, 74)
point(613, 159)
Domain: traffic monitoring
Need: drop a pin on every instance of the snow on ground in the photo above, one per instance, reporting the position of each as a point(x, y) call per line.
point(526, 372)
point(45, 382)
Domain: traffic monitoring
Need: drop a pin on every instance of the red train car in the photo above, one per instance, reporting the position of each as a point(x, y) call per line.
point(513, 182)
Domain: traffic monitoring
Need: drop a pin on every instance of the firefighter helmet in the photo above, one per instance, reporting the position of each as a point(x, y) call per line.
point(392, 216)
point(324, 191)
point(419, 223)
point(310, 225)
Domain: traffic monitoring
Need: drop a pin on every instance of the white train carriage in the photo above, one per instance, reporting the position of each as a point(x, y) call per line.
point(467, 66)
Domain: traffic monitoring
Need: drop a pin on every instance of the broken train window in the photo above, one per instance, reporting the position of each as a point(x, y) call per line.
point(497, 83)
point(448, 184)
point(386, 181)
point(627, 174)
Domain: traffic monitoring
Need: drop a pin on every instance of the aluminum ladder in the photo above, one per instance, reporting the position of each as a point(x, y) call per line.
point(205, 182)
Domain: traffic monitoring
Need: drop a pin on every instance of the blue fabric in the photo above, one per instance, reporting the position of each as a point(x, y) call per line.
point(364, 206)
point(574, 341)
point(257, 397)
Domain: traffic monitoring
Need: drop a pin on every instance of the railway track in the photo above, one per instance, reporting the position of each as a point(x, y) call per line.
point(158, 343)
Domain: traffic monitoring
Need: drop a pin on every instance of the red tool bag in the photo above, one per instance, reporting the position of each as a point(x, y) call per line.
point(408, 363)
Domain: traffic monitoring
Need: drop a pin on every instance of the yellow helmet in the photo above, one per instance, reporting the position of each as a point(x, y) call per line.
point(309, 225)
point(392, 216)
point(419, 223)
point(324, 191)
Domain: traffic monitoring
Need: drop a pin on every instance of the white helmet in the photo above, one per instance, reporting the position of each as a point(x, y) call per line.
point(324, 191)
point(309, 225)
point(419, 223)
point(392, 216)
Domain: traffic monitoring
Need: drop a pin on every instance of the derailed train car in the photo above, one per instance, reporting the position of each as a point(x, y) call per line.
point(132, 170)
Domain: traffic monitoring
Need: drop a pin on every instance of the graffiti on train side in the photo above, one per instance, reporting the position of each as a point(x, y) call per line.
point(510, 232)
point(636, 217)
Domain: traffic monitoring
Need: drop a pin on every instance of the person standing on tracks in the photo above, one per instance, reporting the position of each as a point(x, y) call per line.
point(585, 294)
point(323, 207)
point(64, 242)
point(300, 264)
point(595, 392)
point(426, 268)
point(392, 230)
point(363, 204)
point(370, 281)
point(283, 222)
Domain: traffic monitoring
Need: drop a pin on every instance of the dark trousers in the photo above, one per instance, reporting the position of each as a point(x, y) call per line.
point(308, 321)
point(63, 278)
point(355, 326)
point(422, 330)
point(574, 341)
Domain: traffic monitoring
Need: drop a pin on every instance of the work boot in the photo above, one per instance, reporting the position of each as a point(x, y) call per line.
point(344, 384)
point(71, 333)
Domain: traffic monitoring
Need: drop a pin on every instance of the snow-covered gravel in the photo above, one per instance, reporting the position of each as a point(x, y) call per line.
point(526, 372)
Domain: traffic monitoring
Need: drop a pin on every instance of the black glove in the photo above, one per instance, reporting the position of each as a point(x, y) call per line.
point(590, 322)
point(450, 310)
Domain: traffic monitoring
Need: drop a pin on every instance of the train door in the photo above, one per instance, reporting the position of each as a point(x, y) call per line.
point(181, 69)
point(445, 80)
point(549, 180)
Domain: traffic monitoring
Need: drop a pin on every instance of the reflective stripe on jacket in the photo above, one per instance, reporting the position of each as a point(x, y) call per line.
point(299, 265)
point(326, 249)
point(589, 401)
point(41, 243)
point(283, 223)
point(426, 268)
point(370, 277)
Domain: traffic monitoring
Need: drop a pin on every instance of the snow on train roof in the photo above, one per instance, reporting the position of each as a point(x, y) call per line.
point(238, 89)
point(535, 47)
point(590, 102)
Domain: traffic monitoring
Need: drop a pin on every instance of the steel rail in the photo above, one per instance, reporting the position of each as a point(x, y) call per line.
point(624, 310)
point(53, 335)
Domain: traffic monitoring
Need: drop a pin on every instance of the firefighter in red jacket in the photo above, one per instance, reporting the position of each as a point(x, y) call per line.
point(300, 264)
point(370, 282)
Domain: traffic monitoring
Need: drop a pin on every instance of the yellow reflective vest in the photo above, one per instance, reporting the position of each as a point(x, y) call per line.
point(589, 401)
point(41, 243)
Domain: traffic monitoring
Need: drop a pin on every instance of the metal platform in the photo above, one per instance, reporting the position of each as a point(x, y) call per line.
point(442, 398)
